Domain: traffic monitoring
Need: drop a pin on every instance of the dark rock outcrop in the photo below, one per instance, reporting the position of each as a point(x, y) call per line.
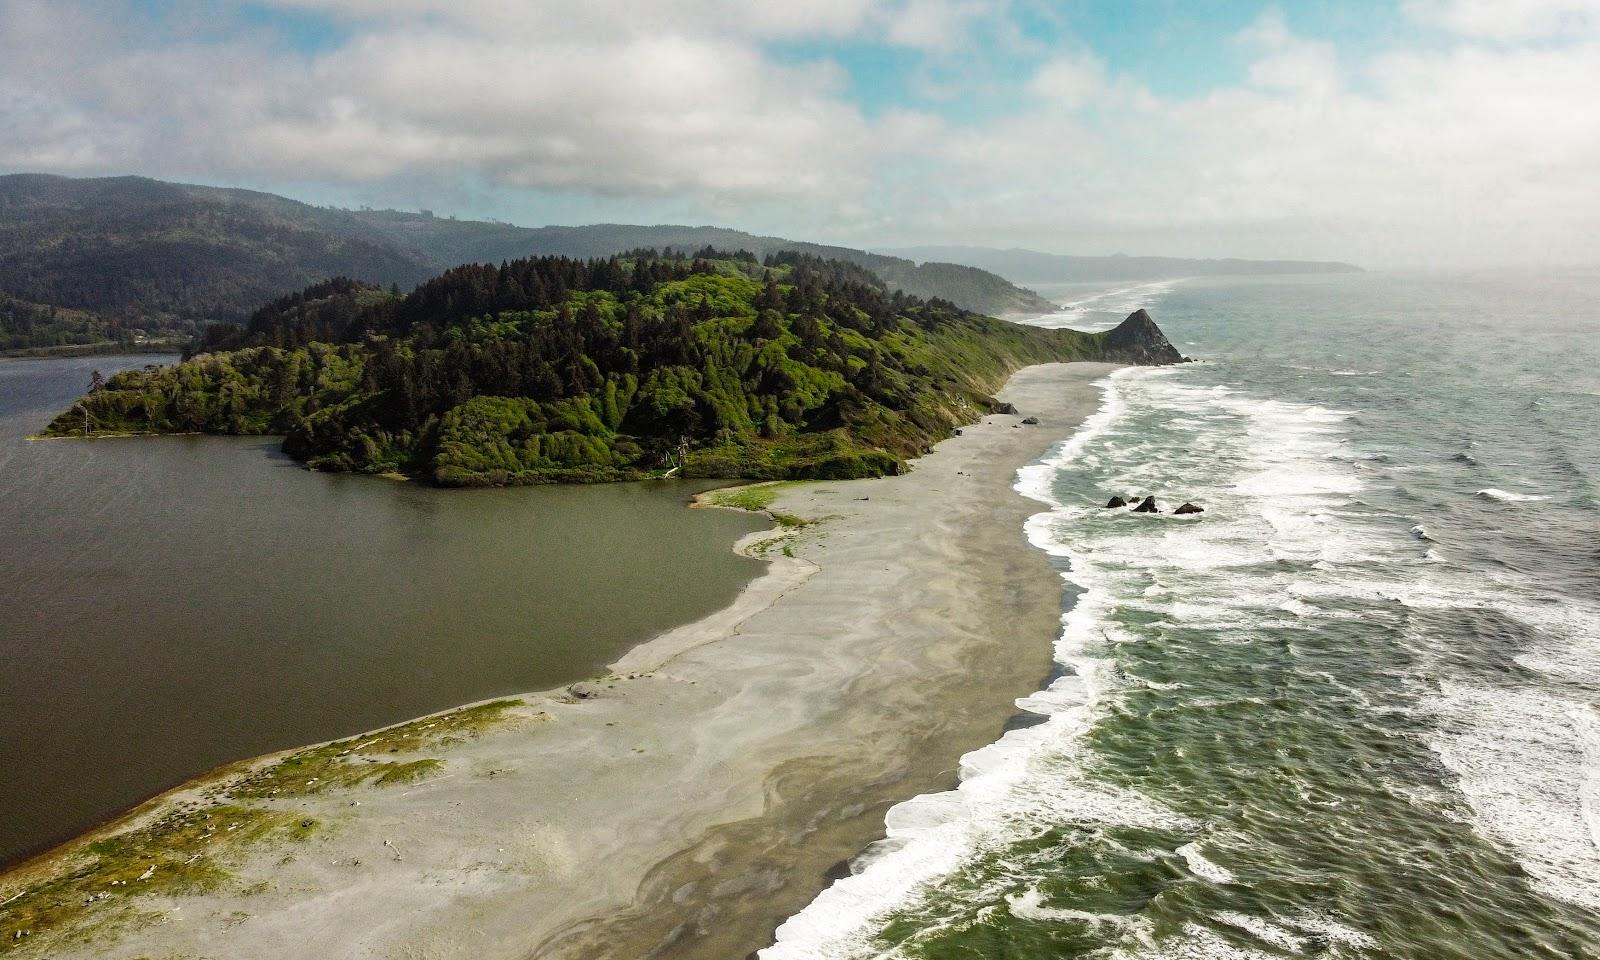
point(1004, 408)
point(1138, 340)
point(1147, 505)
point(1189, 508)
point(1116, 502)
point(1031, 421)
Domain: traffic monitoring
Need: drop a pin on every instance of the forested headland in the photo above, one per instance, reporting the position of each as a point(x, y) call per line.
point(553, 369)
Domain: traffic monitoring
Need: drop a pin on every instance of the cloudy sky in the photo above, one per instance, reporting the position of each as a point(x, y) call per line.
point(1410, 133)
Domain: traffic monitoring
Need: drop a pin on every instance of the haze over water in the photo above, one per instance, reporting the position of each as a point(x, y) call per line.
point(168, 604)
point(1351, 710)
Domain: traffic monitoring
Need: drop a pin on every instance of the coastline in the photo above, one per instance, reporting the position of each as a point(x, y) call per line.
point(691, 800)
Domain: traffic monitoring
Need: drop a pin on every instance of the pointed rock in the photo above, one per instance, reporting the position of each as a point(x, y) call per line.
point(1138, 340)
point(1147, 505)
point(1189, 508)
point(1116, 502)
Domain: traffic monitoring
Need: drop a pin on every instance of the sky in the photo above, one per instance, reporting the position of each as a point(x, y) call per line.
point(1407, 134)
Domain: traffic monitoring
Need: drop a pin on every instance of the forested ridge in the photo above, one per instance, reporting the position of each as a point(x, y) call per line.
point(554, 369)
point(127, 261)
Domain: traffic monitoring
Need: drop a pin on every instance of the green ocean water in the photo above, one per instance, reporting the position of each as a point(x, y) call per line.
point(1350, 711)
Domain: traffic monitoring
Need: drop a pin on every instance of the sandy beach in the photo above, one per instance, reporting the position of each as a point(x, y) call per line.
point(706, 789)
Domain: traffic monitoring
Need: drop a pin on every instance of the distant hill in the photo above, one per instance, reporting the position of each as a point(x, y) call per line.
point(450, 242)
point(125, 260)
point(1031, 266)
point(139, 254)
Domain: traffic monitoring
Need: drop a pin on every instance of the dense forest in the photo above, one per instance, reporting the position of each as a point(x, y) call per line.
point(450, 241)
point(130, 254)
point(553, 369)
point(134, 259)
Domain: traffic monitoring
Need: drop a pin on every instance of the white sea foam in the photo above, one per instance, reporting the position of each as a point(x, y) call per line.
point(1201, 867)
point(1197, 943)
point(1506, 496)
point(1284, 543)
point(1332, 931)
point(1029, 776)
point(1526, 761)
point(1114, 304)
point(1029, 905)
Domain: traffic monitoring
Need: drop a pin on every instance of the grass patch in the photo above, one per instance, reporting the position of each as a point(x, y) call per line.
point(756, 497)
point(187, 850)
point(409, 772)
point(176, 854)
point(352, 762)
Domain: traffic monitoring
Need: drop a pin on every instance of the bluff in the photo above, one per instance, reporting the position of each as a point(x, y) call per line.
point(552, 369)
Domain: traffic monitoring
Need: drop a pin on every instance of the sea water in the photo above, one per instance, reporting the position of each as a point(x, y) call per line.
point(1350, 710)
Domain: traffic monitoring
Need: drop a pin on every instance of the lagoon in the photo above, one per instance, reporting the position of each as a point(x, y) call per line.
point(169, 604)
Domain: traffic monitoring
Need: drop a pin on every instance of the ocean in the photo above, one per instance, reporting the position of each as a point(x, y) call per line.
point(1352, 710)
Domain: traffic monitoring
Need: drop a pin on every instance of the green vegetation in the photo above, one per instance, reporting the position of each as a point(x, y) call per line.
point(123, 260)
point(350, 763)
point(555, 370)
point(112, 263)
point(188, 848)
point(754, 497)
point(183, 852)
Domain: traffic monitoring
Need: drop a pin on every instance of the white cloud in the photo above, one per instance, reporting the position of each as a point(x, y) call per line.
point(1479, 146)
point(1509, 19)
point(1467, 154)
point(604, 97)
point(1069, 81)
point(939, 25)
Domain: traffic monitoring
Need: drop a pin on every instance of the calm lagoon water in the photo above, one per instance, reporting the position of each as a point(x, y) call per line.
point(168, 604)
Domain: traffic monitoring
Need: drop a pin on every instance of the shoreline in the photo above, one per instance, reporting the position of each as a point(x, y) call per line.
point(689, 801)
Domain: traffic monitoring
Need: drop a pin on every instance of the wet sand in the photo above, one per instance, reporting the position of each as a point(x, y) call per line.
point(706, 788)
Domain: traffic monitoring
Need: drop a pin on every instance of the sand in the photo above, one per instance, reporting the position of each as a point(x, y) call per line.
point(711, 786)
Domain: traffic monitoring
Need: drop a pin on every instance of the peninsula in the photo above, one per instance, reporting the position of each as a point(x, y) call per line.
point(558, 370)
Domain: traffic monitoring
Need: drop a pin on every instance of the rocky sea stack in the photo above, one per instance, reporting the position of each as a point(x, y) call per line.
point(1139, 340)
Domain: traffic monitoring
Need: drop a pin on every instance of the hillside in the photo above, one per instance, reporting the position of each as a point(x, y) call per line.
point(449, 242)
point(554, 369)
point(131, 258)
point(128, 254)
point(1031, 266)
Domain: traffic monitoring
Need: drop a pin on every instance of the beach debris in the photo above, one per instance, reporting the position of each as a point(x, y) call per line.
point(1115, 501)
point(149, 872)
point(583, 691)
point(1147, 505)
point(957, 432)
point(395, 849)
point(1189, 508)
point(1031, 421)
